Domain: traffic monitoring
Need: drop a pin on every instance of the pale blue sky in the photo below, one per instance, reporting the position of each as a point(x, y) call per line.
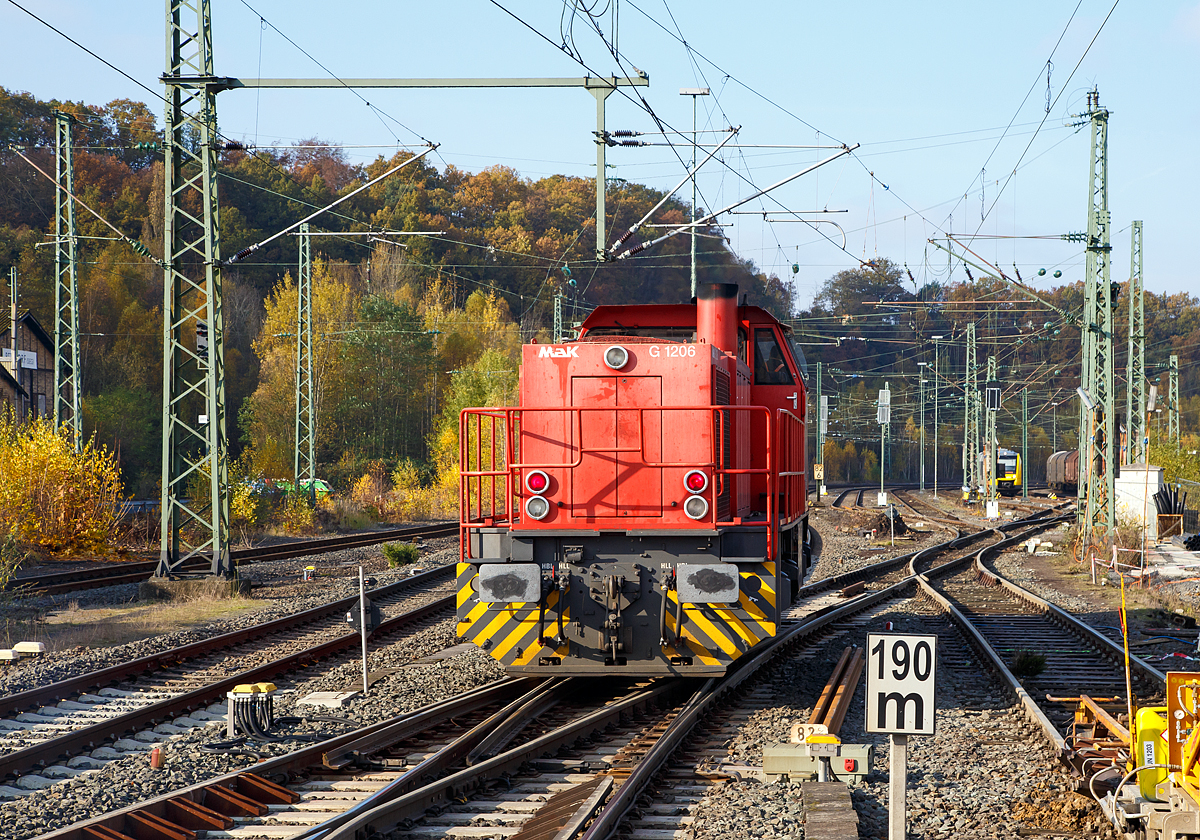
point(927, 88)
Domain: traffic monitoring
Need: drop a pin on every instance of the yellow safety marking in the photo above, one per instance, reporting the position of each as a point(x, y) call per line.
point(726, 644)
point(513, 636)
point(529, 653)
point(493, 627)
point(749, 606)
point(748, 635)
point(700, 652)
point(769, 590)
point(476, 614)
point(466, 593)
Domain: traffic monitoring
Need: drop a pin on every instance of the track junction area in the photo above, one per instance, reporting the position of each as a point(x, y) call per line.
point(443, 745)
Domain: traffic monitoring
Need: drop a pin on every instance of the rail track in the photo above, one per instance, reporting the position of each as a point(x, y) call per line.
point(112, 574)
point(518, 783)
point(53, 724)
point(1008, 624)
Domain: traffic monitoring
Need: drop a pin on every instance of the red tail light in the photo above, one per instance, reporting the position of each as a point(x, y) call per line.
point(695, 481)
point(537, 481)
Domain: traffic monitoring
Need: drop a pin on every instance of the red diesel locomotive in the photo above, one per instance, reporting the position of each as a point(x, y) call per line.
point(642, 511)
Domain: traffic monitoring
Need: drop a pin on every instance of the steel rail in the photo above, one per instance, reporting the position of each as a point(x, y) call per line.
point(615, 809)
point(48, 751)
point(418, 801)
point(379, 735)
point(118, 573)
point(868, 572)
point(48, 694)
point(978, 639)
point(387, 816)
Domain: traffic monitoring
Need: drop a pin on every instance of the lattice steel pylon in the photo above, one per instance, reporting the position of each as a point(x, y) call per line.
point(971, 416)
point(305, 466)
point(558, 322)
point(1173, 400)
point(989, 469)
point(1135, 404)
point(195, 480)
point(1098, 445)
point(66, 288)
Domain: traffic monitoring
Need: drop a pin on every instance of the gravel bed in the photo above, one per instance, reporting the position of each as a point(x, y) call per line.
point(986, 772)
point(278, 580)
point(405, 687)
point(844, 552)
point(1009, 565)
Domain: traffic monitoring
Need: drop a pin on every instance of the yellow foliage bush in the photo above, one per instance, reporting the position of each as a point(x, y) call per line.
point(408, 501)
point(371, 489)
point(52, 497)
point(296, 515)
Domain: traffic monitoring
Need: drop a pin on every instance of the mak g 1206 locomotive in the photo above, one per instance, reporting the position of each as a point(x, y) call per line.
point(642, 510)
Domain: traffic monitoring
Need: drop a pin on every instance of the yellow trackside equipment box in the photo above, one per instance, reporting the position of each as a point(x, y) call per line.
point(1151, 748)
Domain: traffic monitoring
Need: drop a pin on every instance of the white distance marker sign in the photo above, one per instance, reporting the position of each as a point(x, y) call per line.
point(901, 684)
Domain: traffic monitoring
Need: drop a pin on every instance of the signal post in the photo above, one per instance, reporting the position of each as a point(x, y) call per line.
point(901, 677)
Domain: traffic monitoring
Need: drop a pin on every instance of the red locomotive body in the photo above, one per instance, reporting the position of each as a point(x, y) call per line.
point(642, 511)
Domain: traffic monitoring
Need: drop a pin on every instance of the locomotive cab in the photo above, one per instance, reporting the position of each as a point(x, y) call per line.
point(642, 509)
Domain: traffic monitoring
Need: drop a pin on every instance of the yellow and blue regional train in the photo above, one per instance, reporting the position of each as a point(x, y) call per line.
point(1006, 479)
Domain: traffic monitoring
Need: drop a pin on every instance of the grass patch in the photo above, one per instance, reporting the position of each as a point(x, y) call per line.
point(400, 554)
point(1027, 664)
point(108, 626)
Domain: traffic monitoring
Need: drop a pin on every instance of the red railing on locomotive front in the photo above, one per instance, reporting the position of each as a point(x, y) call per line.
point(792, 475)
point(481, 489)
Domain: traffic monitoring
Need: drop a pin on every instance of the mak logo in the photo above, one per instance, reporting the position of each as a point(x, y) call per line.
point(558, 352)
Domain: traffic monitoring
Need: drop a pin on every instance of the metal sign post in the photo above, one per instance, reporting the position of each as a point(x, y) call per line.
point(884, 417)
point(901, 676)
point(362, 617)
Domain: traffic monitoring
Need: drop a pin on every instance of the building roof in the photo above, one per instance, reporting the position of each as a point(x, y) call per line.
point(7, 378)
point(32, 324)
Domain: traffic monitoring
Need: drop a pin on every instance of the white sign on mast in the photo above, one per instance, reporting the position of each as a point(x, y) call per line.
point(901, 701)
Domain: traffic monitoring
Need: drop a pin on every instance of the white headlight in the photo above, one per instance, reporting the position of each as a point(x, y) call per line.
point(695, 507)
point(616, 357)
point(536, 507)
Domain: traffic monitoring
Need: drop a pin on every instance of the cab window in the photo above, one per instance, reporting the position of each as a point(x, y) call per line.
point(770, 365)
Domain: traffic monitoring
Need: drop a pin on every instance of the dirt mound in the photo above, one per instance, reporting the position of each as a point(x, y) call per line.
point(881, 525)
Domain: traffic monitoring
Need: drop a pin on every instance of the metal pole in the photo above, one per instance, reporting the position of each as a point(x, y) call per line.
point(694, 92)
point(66, 288)
point(693, 195)
point(1135, 386)
point(990, 477)
point(12, 334)
point(1173, 400)
point(971, 426)
point(1097, 428)
point(897, 784)
point(304, 462)
point(362, 623)
point(936, 384)
point(601, 94)
point(822, 414)
point(1024, 443)
point(921, 390)
point(884, 426)
point(194, 452)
